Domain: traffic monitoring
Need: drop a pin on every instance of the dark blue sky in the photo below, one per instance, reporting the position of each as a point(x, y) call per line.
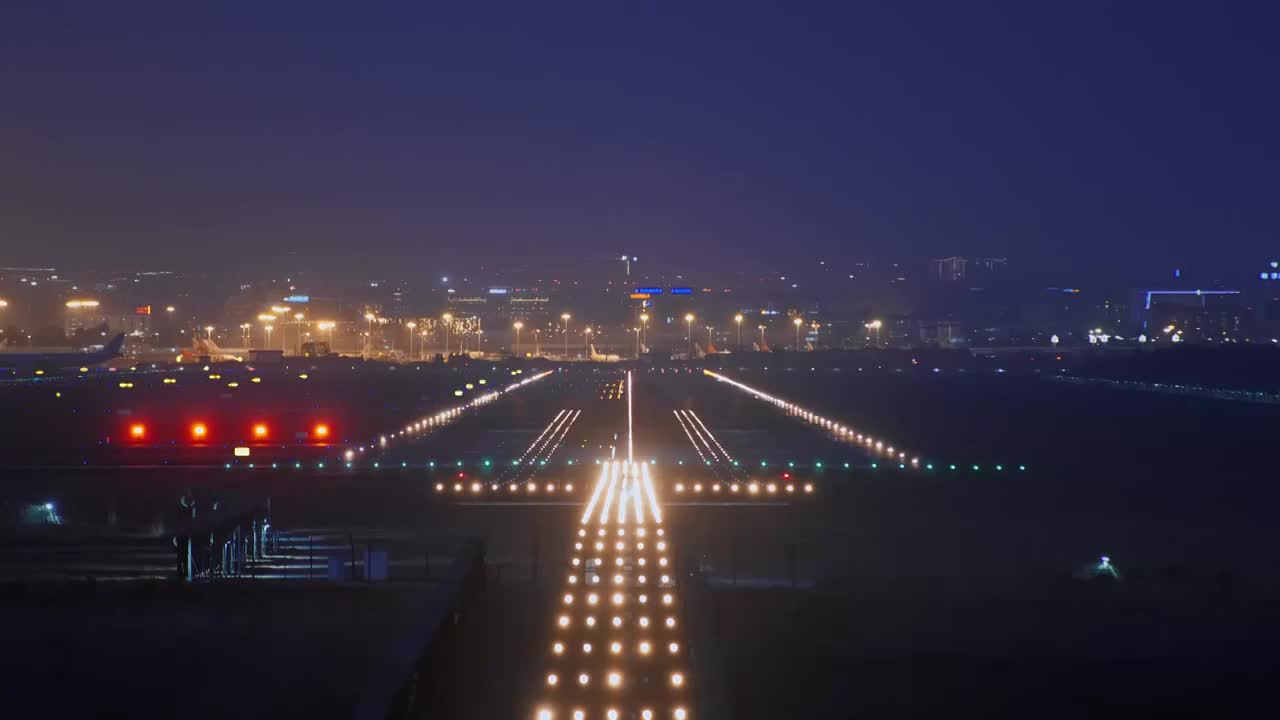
point(1120, 136)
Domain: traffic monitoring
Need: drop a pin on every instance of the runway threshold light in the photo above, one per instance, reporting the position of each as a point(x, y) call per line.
point(321, 431)
point(199, 431)
point(137, 431)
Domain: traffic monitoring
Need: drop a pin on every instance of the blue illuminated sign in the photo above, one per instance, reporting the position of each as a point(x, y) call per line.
point(648, 291)
point(681, 291)
point(298, 299)
point(497, 291)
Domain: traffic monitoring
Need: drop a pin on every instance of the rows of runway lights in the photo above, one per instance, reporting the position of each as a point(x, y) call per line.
point(843, 432)
point(611, 664)
point(431, 422)
point(489, 464)
point(464, 485)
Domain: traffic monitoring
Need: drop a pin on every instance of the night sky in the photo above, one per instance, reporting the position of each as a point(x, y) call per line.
point(1091, 137)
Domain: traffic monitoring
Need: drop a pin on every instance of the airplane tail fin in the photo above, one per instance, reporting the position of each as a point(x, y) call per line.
point(113, 348)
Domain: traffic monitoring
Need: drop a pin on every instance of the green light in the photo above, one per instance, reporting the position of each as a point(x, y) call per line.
point(459, 463)
point(320, 465)
point(348, 465)
point(404, 464)
point(297, 465)
point(735, 463)
point(708, 462)
point(487, 463)
point(431, 464)
point(762, 463)
point(975, 468)
point(227, 466)
point(791, 463)
point(819, 464)
point(1022, 467)
point(250, 466)
point(999, 467)
point(846, 466)
point(515, 462)
point(929, 466)
point(375, 464)
point(679, 462)
point(570, 461)
point(273, 466)
point(902, 466)
point(874, 466)
point(543, 462)
point(953, 467)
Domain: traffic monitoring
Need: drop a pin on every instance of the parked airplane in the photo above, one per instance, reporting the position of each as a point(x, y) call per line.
point(26, 362)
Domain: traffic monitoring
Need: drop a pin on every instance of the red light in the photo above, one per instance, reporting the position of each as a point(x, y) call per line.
point(199, 431)
point(260, 430)
point(786, 475)
point(321, 431)
point(137, 431)
point(462, 475)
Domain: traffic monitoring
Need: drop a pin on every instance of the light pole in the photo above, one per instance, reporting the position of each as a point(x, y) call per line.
point(281, 312)
point(875, 325)
point(637, 332)
point(762, 343)
point(709, 338)
point(537, 342)
point(412, 326)
point(447, 319)
point(297, 331)
point(565, 317)
point(798, 322)
point(327, 325)
point(688, 332)
point(266, 320)
point(368, 336)
point(517, 325)
point(738, 319)
point(644, 328)
point(246, 330)
point(586, 342)
point(209, 331)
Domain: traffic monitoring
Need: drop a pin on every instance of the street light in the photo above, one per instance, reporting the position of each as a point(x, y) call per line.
point(209, 329)
point(762, 342)
point(411, 325)
point(586, 342)
point(738, 319)
point(636, 330)
point(688, 332)
point(708, 338)
point(644, 328)
point(565, 317)
point(266, 320)
point(537, 346)
point(517, 325)
point(328, 326)
point(297, 331)
point(798, 322)
point(875, 325)
point(447, 318)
